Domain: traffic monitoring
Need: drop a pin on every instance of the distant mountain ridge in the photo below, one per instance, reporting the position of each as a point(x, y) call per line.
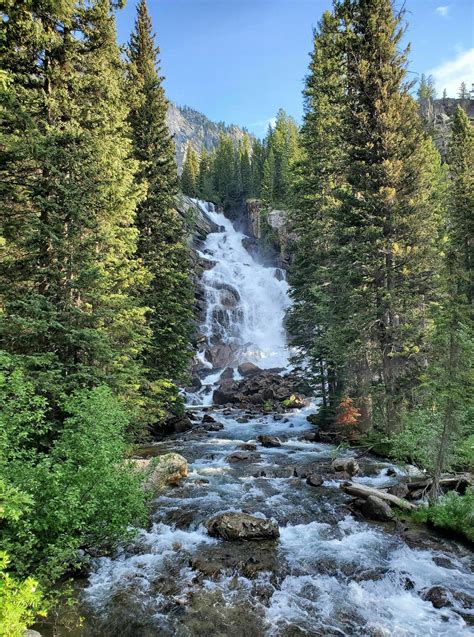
point(188, 125)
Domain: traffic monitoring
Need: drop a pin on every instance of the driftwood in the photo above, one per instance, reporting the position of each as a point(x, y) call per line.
point(363, 491)
point(456, 483)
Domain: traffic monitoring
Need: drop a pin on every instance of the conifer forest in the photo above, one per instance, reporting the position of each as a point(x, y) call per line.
point(236, 368)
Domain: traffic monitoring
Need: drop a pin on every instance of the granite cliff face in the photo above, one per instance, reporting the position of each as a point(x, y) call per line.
point(438, 116)
point(187, 125)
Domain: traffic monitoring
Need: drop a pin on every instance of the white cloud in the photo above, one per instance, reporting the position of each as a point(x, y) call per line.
point(262, 125)
point(450, 74)
point(442, 11)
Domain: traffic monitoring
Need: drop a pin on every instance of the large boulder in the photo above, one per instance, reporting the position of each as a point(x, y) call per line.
point(225, 393)
point(242, 526)
point(248, 369)
point(163, 470)
point(220, 355)
point(376, 509)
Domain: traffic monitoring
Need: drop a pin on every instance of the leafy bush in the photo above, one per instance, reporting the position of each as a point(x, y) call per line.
point(81, 493)
point(454, 512)
point(20, 601)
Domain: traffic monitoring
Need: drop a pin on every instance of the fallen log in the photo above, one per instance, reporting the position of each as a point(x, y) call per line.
point(363, 491)
point(456, 483)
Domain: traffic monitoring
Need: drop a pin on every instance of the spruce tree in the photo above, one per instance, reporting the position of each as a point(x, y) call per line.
point(189, 175)
point(318, 299)
point(69, 203)
point(387, 224)
point(161, 244)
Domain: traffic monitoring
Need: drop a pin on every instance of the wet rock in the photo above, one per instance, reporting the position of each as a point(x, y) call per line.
point(400, 490)
point(212, 426)
point(220, 355)
point(269, 441)
point(224, 394)
point(242, 526)
point(347, 465)
point(314, 480)
point(227, 374)
point(248, 369)
point(208, 418)
point(242, 419)
point(173, 425)
point(376, 509)
point(248, 446)
point(438, 596)
point(391, 472)
point(277, 417)
point(310, 436)
point(206, 566)
point(241, 456)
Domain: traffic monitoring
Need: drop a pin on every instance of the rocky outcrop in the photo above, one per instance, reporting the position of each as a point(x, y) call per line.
point(189, 126)
point(438, 115)
point(242, 526)
point(162, 471)
point(271, 229)
point(264, 389)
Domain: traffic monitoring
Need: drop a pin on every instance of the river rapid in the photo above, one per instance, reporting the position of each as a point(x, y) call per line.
point(329, 574)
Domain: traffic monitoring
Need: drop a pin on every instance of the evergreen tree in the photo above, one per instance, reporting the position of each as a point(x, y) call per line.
point(268, 178)
point(204, 186)
point(426, 88)
point(318, 299)
point(69, 203)
point(388, 221)
point(463, 92)
point(258, 158)
point(190, 172)
point(454, 388)
point(245, 167)
point(161, 245)
point(225, 179)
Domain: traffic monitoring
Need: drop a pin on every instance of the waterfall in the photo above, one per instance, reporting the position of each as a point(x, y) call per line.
point(245, 306)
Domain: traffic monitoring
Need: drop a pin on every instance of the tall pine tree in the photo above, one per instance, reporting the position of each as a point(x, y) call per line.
point(161, 246)
point(387, 225)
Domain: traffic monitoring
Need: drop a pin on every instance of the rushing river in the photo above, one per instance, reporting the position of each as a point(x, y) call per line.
point(329, 574)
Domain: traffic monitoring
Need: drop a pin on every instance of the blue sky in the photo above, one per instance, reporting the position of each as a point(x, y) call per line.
point(239, 61)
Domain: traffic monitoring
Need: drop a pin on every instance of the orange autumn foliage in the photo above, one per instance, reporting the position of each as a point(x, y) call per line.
point(348, 413)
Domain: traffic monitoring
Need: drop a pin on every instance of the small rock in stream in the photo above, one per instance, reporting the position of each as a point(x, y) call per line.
point(241, 456)
point(314, 480)
point(242, 526)
point(345, 465)
point(269, 441)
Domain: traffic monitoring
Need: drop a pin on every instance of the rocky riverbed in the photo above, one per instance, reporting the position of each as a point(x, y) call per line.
point(324, 569)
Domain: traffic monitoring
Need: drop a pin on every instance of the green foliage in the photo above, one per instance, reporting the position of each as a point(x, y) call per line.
point(189, 176)
point(69, 268)
point(78, 491)
point(20, 600)
point(368, 185)
point(453, 512)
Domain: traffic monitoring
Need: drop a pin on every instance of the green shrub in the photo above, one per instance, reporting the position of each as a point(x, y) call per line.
point(453, 511)
point(20, 601)
point(80, 491)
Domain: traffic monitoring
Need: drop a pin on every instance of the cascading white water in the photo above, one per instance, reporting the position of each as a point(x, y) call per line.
point(246, 301)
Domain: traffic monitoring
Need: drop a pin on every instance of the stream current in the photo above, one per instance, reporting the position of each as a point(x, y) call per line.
point(329, 573)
